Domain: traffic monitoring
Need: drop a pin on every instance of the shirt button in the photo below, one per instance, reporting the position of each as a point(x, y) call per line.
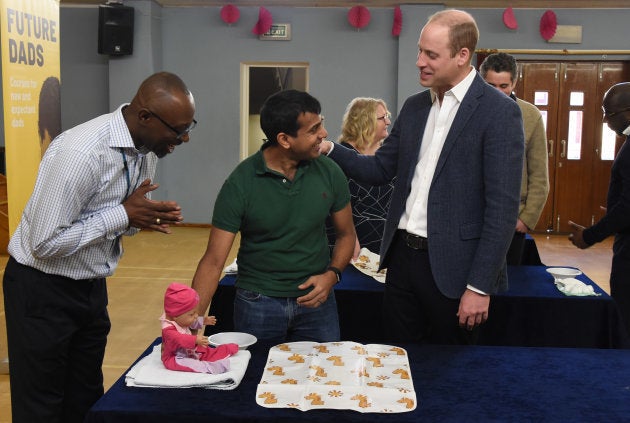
point(284, 181)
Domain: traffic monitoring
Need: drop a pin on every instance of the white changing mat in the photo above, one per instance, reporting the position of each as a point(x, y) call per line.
point(339, 375)
point(151, 373)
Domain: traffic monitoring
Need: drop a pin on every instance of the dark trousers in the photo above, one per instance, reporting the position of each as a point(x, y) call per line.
point(57, 330)
point(517, 248)
point(414, 310)
point(620, 287)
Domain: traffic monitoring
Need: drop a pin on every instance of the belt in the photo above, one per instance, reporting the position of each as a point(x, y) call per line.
point(415, 242)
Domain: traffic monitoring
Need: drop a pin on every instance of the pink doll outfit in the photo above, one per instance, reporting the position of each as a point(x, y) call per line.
point(179, 349)
point(180, 353)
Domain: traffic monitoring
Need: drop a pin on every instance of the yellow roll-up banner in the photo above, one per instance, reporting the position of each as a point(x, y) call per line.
point(30, 87)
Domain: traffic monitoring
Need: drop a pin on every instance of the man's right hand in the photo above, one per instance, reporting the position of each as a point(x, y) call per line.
point(325, 146)
point(576, 235)
point(150, 214)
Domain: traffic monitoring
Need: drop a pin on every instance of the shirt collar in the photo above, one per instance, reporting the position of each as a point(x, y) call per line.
point(459, 90)
point(259, 163)
point(121, 137)
point(260, 167)
point(626, 131)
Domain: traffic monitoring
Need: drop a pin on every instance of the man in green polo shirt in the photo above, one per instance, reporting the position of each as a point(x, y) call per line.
point(279, 199)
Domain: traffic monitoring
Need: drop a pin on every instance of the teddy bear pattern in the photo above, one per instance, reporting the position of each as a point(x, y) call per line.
point(337, 375)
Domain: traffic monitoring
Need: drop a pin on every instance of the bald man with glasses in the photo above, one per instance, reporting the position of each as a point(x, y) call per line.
point(616, 221)
point(94, 186)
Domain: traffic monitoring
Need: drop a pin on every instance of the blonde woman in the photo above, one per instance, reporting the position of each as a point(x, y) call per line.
point(364, 128)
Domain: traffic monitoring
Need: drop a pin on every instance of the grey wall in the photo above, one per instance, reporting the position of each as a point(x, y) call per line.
point(84, 73)
point(344, 64)
point(206, 53)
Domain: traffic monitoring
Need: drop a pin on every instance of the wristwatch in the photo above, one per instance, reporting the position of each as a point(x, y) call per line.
point(336, 271)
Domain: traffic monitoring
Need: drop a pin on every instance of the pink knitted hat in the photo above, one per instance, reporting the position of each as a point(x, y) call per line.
point(179, 299)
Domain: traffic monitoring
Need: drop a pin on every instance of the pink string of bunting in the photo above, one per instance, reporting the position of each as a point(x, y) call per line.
point(359, 17)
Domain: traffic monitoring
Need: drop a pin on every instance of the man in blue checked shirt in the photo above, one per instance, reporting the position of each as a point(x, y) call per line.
point(93, 187)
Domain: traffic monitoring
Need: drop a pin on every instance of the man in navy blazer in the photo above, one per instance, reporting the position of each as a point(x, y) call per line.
point(457, 153)
point(616, 108)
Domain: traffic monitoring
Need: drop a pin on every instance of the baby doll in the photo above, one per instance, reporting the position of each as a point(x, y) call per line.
point(181, 350)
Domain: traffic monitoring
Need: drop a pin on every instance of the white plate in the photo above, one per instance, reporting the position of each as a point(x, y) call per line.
point(563, 272)
point(243, 339)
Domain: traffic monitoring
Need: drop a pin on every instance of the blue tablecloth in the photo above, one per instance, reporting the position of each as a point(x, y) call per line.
point(531, 257)
point(533, 312)
point(452, 383)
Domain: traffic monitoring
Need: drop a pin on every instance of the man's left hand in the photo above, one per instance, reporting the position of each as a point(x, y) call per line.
point(322, 285)
point(473, 309)
point(521, 227)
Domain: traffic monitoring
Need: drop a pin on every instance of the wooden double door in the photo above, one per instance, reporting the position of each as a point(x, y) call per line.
point(580, 147)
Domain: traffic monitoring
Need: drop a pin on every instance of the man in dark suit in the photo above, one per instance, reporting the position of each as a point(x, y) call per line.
point(457, 153)
point(616, 108)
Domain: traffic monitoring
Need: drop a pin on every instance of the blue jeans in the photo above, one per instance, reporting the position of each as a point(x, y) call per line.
point(283, 320)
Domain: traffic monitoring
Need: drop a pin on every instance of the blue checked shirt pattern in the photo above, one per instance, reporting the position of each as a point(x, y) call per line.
point(73, 222)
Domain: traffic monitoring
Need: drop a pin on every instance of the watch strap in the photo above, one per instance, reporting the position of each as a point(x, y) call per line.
point(336, 271)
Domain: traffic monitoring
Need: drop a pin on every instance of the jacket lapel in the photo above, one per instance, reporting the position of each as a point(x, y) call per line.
point(464, 114)
point(411, 152)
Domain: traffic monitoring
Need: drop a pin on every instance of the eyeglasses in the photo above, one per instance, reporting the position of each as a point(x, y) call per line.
point(385, 116)
point(179, 134)
point(611, 114)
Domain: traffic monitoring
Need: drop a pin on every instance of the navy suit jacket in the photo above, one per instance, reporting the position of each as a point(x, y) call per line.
point(475, 192)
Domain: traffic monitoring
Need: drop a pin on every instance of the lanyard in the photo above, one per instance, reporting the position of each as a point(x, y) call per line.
point(126, 167)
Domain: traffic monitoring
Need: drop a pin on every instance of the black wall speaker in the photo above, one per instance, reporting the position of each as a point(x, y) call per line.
point(115, 29)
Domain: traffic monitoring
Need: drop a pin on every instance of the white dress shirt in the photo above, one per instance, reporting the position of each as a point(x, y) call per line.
point(441, 116)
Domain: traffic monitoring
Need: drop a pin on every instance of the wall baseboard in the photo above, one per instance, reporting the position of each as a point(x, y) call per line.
point(195, 225)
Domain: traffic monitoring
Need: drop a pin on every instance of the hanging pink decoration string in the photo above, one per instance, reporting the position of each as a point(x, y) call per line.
point(397, 25)
point(548, 25)
point(230, 14)
point(265, 21)
point(359, 16)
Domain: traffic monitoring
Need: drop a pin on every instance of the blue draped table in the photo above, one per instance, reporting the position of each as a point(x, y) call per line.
point(532, 313)
point(530, 257)
point(452, 384)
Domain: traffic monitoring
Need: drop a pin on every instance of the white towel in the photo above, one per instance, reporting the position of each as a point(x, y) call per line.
point(151, 373)
point(231, 269)
point(574, 287)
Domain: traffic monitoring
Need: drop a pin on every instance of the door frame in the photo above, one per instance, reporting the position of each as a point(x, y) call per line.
point(244, 100)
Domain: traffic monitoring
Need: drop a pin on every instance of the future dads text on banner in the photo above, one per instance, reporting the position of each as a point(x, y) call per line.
point(26, 32)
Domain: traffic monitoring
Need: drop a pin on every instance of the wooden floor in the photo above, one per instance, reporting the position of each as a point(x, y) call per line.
point(153, 260)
